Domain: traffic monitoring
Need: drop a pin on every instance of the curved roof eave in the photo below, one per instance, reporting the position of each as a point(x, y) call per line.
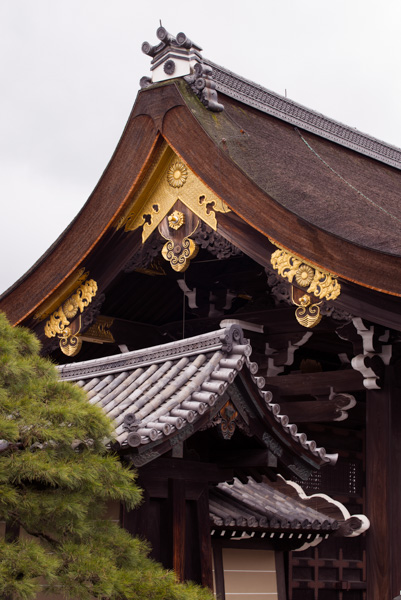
point(175, 112)
point(353, 261)
point(88, 228)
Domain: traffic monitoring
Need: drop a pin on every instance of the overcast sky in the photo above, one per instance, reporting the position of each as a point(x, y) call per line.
point(70, 73)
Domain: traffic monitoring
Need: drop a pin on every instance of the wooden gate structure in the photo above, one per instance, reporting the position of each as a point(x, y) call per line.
point(230, 295)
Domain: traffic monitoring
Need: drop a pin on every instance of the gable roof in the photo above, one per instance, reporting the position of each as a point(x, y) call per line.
point(161, 395)
point(330, 202)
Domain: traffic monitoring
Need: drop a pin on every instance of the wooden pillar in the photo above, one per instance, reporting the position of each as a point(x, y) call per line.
point(383, 488)
point(219, 570)
point(177, 503)
point(205, 542)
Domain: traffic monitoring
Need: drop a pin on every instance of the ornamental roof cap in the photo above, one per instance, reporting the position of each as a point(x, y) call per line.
point(178, 56)
point(174, 56)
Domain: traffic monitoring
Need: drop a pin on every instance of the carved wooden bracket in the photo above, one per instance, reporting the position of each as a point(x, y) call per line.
point(372, 352)
point(282, 355)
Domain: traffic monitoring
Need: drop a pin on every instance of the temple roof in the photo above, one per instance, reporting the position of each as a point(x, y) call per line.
point(329, 186)
point(285, 176)
point(161, 395)
point(267, 101)
point(258, 505)
point(266, 506)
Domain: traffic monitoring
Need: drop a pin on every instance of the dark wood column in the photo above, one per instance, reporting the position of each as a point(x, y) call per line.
point(177, 500)
point(383, 488)
point(205, 542)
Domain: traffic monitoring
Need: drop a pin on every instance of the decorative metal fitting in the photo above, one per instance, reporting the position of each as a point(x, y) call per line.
point(176, 219)
point(177, 174)
point(318, 282)
point(321, 283)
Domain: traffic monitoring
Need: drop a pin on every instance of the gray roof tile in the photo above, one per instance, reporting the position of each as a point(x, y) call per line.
point(154, 392)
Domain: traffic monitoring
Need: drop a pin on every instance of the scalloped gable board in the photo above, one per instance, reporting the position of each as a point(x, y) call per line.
point(230, 296)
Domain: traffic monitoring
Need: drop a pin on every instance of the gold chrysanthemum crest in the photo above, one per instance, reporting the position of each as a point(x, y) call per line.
point(321, 283)
point(177, 174)
point(304, 275)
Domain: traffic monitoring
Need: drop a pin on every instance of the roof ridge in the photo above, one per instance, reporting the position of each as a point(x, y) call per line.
point(222, 339)
point(269, 102)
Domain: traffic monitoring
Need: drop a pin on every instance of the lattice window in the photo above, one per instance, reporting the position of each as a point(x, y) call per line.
point(333, 570)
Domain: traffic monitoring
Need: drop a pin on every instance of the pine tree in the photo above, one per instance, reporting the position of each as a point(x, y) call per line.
point(56, 477)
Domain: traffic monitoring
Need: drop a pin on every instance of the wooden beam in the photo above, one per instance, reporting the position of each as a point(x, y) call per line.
point(317, 384)
point(280, 574)
point(314, 411)
point(246, 458)
point(163, 468)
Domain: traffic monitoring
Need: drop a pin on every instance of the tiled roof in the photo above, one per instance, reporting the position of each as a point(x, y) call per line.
point(159, 393)
point(260, 505)
point(280, 506)
point(287, 110)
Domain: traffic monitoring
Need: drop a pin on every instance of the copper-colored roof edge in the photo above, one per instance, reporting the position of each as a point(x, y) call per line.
point(101, 234)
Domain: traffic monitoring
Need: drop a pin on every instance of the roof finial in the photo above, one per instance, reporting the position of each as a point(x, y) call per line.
point(180, 57)
point(173, 56)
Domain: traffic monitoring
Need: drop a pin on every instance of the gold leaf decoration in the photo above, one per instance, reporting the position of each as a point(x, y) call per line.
point(99, 332)
point(321, 283)
point(308, 316)
point(179, 256)
point(70, 345)
point(325, 285)
point(61, 318)
point(304, 275)
point(167, 181)
point(177, 174)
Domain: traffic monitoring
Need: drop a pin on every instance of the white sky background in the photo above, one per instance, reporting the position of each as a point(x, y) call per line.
point(69, 74)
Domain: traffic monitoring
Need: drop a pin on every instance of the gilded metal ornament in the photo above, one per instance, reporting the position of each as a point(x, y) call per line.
point(168, 181)
point(179, 248)
point(70, 307)
point(179, 256)
point(99, 332)
point(321, 283)
point(64, 291)
point(177, 174)
point(308, 313)
point(60, 320)
point(176, 219)
point(304, 275)
point(308, 316)
point(70, 345)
